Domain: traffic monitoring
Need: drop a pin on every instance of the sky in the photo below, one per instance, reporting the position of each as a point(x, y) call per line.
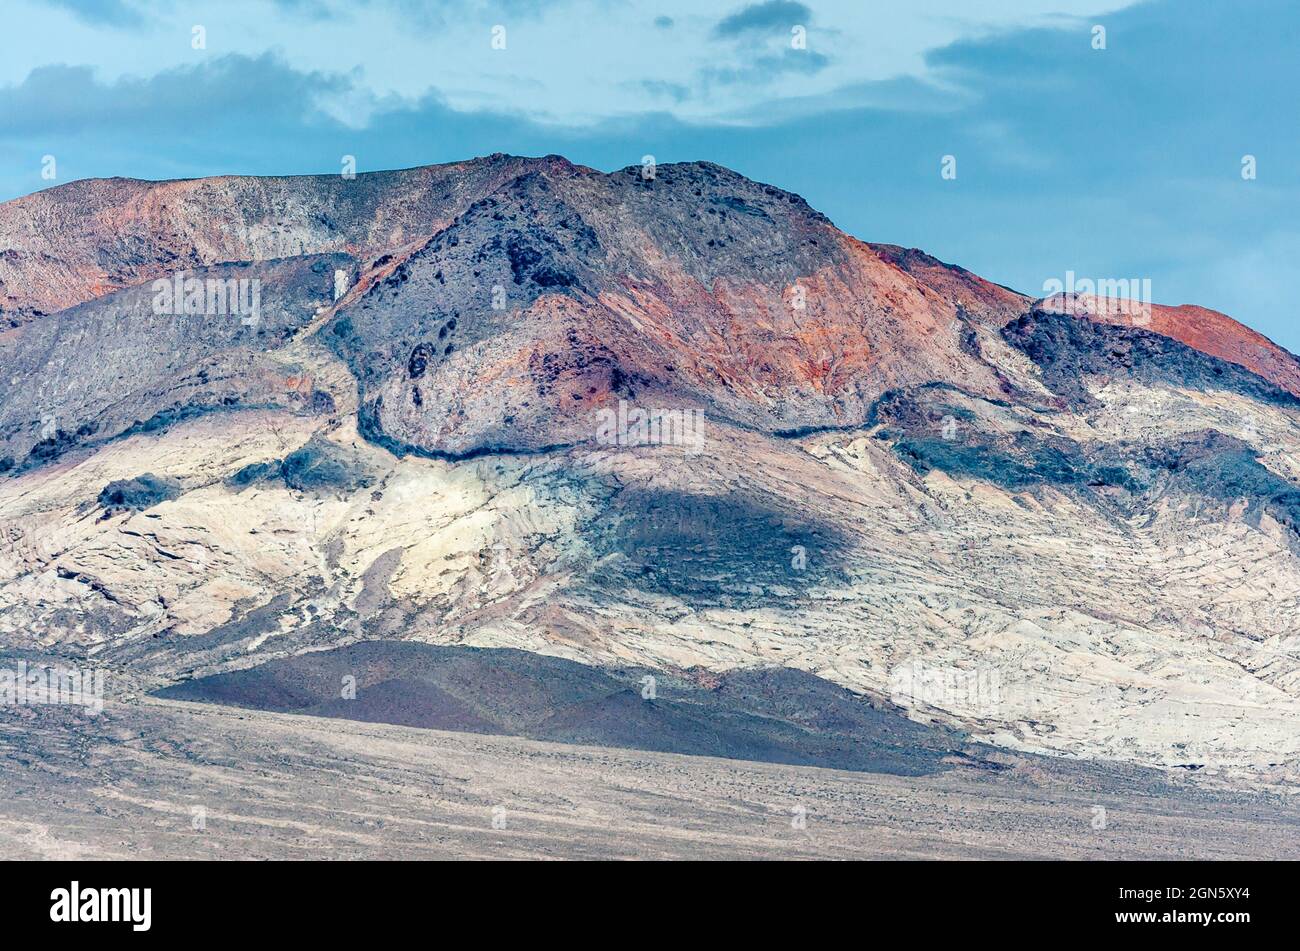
point(1153, 140)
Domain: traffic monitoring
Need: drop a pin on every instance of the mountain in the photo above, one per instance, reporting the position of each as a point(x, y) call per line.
point(675, 422)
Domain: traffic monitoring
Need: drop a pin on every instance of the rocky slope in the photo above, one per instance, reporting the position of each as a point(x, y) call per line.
point(79, 241)
point(1057, 529)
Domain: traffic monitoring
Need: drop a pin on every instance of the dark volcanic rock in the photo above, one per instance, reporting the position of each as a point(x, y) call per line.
point(939, 427)
point(1068, 347)
point(133, 362)
point(714, 550)
point(318, 466)
point(1211, 465)
point(323, 465)
point(772, 715)
point(142, 492)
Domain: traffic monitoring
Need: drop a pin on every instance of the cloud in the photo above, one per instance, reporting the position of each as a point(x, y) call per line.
point(389, 41)
point(762, 17)
point(660, 89)
point(100, 12)
point(68, 99)
point(902, 95)
point(316, 9)
point(218, 118)
point(766, 68)
point(423, 15)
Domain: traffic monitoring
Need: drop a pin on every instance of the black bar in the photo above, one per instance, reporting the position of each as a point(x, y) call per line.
point(335, 900)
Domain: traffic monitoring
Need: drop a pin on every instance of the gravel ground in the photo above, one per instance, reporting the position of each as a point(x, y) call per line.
point(158, 779)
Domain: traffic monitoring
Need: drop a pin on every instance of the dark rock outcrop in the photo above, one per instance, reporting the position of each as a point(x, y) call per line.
point(142, 492)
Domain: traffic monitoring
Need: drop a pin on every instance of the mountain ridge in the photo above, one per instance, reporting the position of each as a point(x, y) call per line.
point(27, 289)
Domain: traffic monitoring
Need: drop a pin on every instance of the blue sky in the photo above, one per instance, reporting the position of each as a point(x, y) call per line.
point(1112, 163)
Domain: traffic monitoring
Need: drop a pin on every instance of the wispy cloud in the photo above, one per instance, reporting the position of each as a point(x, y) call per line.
point(765, 68)
point(764, 17)
point(60, 99)
point(101, 12)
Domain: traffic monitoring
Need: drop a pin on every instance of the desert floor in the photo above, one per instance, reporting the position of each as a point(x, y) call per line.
point(158, 779)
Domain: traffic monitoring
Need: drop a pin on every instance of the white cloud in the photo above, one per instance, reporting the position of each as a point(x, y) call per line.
point(569, 61)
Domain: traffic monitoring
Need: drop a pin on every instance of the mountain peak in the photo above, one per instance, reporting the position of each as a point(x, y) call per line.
point(685, 282)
